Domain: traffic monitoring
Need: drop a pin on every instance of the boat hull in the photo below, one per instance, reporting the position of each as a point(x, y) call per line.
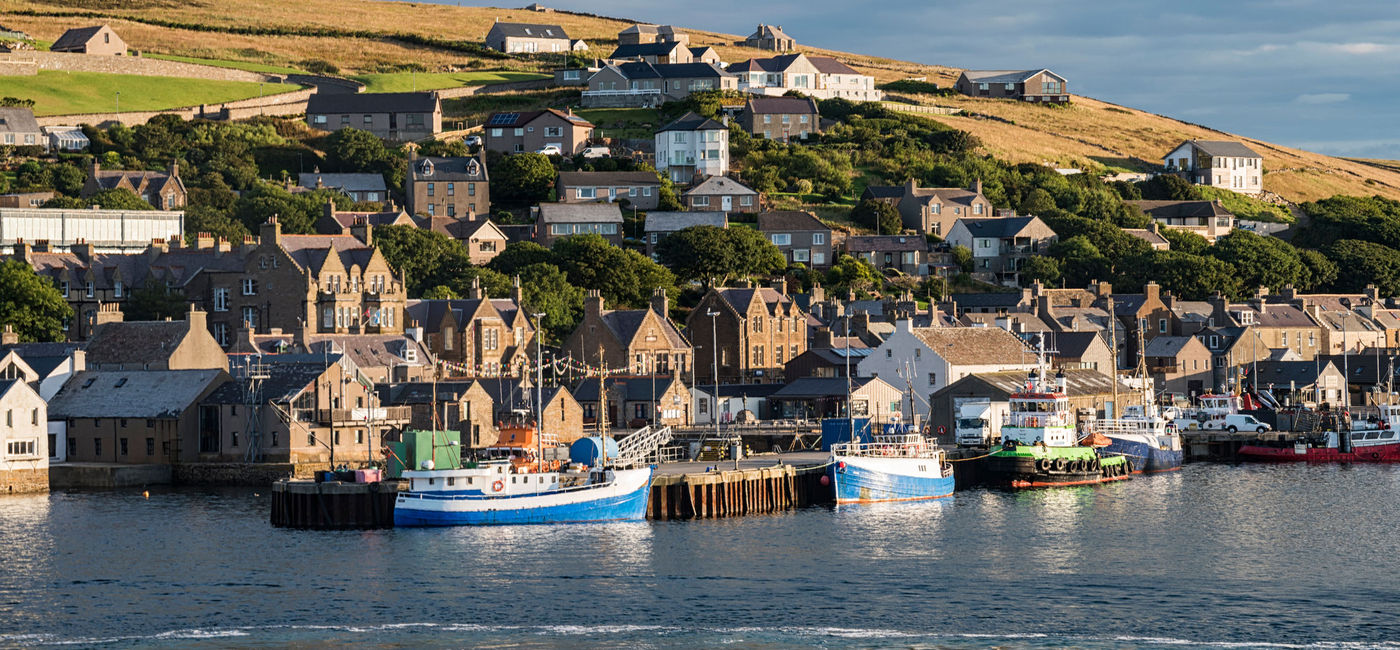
point(1369, 454)
point(1143, 455)
point(624, 499)
point(865, 479)
point(1025, 468)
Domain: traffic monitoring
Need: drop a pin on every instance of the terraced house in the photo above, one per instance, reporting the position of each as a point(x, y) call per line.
point(646, 84)
point(484, 336)
point(753, 332)
point(644, 341)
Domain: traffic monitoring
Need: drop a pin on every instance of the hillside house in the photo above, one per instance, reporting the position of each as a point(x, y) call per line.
point(906, 253)
point(659, 52)
point(1001, 245)
point(1216, 163)
point(770, 37)
point(527, 38)
point(1024, 85)
point(932, 210)
point(802, 238)
point(98, 40)
point(559, 220)
point(1208, 219)
point(659, 225)
point(642, 190)
point(163, 190)
point(457, 188)
point(641, 33)
point(531, 131)
point(821, 77)
point(641, 84)
point(359, 187)
point(722, 193)
point(398, 117)
point(691, 147)
point(781, 118)
point(18, 128)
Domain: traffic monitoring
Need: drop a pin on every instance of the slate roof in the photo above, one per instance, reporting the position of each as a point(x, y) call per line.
point(604, 179)
point(644, 70)
point(75, 38)
point(882, 192)
point(648, 28)
point(777, 105)
point(580, 213)
point(828, 65)
point(789, 220)
point(1181, 209)
point(439, 169)
point(1277, 315)
point(645, 49)
point(368, 350)
point(971, 346)
point(998, 227)
point(1028, 322)
point(1004, 76)
point(420, 102)
point(1167, 346)
point(421, 392)
point(288, 375)
point(156, 394)
point(1074, 345)
point(140, 180)
point(885, 243)
point(740, 297)
point(529, 30)
point(743, 390)
point(1001, 385)
point(311, 251)
point(514, 119)
point(1152, 238)
point(347, 218)
point(17, 120)
point(818, 387)
point(6, 384)
point(769, 31)
point(136, 343)
point(673, 221)
point(1300, 373)
point(346, 182)
point(693, 122)
point(1224, 148)
point(719, 186)
point(634, 389)
point(1004, 299)
point(624, 324)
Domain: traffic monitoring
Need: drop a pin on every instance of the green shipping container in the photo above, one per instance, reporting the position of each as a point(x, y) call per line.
point(442, 447)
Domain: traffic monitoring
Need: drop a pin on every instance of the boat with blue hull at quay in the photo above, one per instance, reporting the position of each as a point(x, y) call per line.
point(1144, 437)
point(492, 495)
point(892, 467)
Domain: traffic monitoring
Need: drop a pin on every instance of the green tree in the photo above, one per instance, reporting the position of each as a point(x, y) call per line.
point(712, 254)
point(154, 301)
point(1323, 271)
point(546, 289)
point(440, 292)
point(518, 255)
point(1080, 261)
point(67, 178)
point(109, 199)
point(296, 212)
point(624, 277)
point(31, 304)
point(962, 256)
point(355, 150)
point(1186, 241)
point(1168, 187)
point(1043, 269)
point(1360, 263)
point(428, 259)
point(1038, 201)
point(201, 218)
point(1263, 261)
point(461, 280)
point(1189, 277)
point(853, 274)
point(522, 178)
point(878, 216)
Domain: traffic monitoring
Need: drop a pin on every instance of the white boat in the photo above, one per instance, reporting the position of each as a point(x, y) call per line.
point(493, 494)
point(893, 467)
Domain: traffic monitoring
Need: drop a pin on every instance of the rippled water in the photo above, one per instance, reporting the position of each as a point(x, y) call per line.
point(1249, 556)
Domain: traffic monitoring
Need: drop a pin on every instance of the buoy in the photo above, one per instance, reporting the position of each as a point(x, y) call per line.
point(146, 493)
point(826, 480)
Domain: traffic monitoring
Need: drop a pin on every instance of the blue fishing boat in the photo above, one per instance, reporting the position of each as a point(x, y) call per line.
point(891, 467)
point(493, 494)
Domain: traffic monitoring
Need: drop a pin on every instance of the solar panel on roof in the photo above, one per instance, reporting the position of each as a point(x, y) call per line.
point(504, 118)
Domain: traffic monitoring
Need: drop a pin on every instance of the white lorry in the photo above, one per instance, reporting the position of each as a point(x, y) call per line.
point(974, 424)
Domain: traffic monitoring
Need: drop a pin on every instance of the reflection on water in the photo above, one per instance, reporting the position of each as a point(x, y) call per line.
point(1213, 555)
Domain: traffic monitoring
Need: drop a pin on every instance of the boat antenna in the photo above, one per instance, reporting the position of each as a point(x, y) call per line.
point(602, 412)
point(850, 417)
point(1113, 343)
point(539, 393)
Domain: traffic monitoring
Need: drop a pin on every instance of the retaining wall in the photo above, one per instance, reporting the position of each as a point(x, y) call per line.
point(100, 475)
point(291, 103)
point(24, 481)
point(137, 65)
point(257, 474)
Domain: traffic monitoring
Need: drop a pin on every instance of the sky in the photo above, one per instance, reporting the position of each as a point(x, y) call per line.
point(1318, 75)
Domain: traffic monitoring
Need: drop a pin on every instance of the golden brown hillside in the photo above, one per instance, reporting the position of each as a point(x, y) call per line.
point(1087, 134)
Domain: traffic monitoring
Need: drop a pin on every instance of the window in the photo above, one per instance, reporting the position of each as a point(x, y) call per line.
point(520, 132)
point(702, 201)
point(117, 289)
point(319, 119)
point(221, 300)
point(818, 238)
point(758, 355)
point(471, 189)
point(587, 192)
point(97, 446)
point(451, 189)
point(369, 119)
point(746, 200)
point(250, 287)
point(781, 239)
point(63, 288)
point(496, 133)
point(889, 354)
point(490, 339)
point(818, 259)
point(221, 333)
point(431, 188)
point(89, 288)
point(250, 318)
point(1162, 326)
point(451, 209)
point(801, 255)
point(553, 131)
point(344, 119)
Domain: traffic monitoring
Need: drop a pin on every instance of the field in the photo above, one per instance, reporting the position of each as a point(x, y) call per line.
point(61, 93)
point(622, 122)
point(250, 66)
point(399, 82)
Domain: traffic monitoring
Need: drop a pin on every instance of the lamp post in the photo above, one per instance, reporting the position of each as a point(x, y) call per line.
point(119, 103)
point(714, 352)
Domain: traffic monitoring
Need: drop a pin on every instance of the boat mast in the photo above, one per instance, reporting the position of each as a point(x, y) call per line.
point(602, 412)
point(850, 417)
point(539, 393)
point(1113, 342)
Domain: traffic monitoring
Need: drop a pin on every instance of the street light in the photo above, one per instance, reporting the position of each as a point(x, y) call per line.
point(119, 103)
point(714, 351)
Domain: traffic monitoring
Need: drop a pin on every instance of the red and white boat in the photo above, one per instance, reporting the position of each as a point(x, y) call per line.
point(1378, 443)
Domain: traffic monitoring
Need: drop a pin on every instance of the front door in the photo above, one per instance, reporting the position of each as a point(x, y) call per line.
point(728, 203)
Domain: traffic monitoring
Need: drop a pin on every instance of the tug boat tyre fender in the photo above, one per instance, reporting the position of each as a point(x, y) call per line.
point(1060, 464)
point(1043, 464)
point(1375, 455)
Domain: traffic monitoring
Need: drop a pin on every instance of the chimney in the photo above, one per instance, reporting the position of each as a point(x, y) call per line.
point(221, 246)
point(976, 186)
point(1290, 294)
point(107, 313)
point(780, 285)
point(821, 338)
point(363, 231)
point(9, 337)
point(95, 169)
point(319, 185)
point(660, 303)
point(197, 318)
point(1102, 289)
point(299, 335)
point(204, 241)
point(818, 293)
point(1218, 309)
point(82, 249)
point(910, 185)
point(517, 293)
point(22, 251)
point(474, 293)
point(1153, 291)
point(1372, 293)
point(244, 337)
point(593, 303)
point(42, 246)
point(271, 232)
point(174, 169)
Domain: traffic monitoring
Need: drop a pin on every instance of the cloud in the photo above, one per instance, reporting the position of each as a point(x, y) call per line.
point(1322, 98)
point(1362, 48)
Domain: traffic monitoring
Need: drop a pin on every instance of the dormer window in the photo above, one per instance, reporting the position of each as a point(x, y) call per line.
point(426, 168)
point(410, 354)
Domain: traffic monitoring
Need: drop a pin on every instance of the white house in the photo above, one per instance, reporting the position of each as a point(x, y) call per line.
point(926, 359)
point(24, 458)
point(46, 367)
point(692, 146)
point(1217, 163)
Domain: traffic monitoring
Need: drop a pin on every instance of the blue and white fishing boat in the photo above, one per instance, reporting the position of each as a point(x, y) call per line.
point(494, 494)
point(1149, 441)
point(891, 467)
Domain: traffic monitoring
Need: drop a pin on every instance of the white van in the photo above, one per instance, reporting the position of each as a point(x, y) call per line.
point(1238, 422)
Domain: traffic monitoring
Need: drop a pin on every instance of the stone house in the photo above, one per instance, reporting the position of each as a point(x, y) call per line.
point(1080, 350)
point(559, 220)
point(1233, 348)
point(635, 402)
point(781, 118)
point(457, 188)
point(802, 238)
point(642, 84)
point(770, 37)
point(483, 238)
point(752, 335)
point(706, 54)
point(1208, 219)
point(513, 38)
point(303, 409)
point(643, 33)
point(722, 193)
point(644, 341)
point(932, 210)
point(1180, 365)
point(359, 187)
point(1217, 163)
point(1152, 236)
point(660, 225)
point(18, 128)
point(931, 358)
point(531, 131)
point(815, 398)
point(30, 200)
point(163, 190)
point(907, 253)
point(24, 444)
point(98, 40)
point(562, 420)
point(1001, 245)
point(461, 406)
point(642, 190)
point(1023, 85)
point(399, 117)
point(1280, 326)
point(343, 222)
point(476, 336)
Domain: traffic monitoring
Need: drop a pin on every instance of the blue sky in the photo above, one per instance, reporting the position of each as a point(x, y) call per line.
point(1323, 76)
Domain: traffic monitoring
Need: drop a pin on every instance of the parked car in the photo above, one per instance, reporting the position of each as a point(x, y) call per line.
point(551, 150)
point(473, 141)
point(1240, 421)
point(596, 152)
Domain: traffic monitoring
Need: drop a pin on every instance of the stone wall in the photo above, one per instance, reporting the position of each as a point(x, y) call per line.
point(255, 474)
point(136, 65)
point(24, 481)
point(283, 104)
point(106, 475)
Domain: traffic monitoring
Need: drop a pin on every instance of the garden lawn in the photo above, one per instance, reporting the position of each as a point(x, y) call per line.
point(402, 82)
point(623, 122)
point(222, 63)
point(56, 92)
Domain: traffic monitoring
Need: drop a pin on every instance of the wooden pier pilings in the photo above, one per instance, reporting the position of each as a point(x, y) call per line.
point(735, 493)
point(334, 505)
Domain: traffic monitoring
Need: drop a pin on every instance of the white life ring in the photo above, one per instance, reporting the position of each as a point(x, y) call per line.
point(498, 485)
